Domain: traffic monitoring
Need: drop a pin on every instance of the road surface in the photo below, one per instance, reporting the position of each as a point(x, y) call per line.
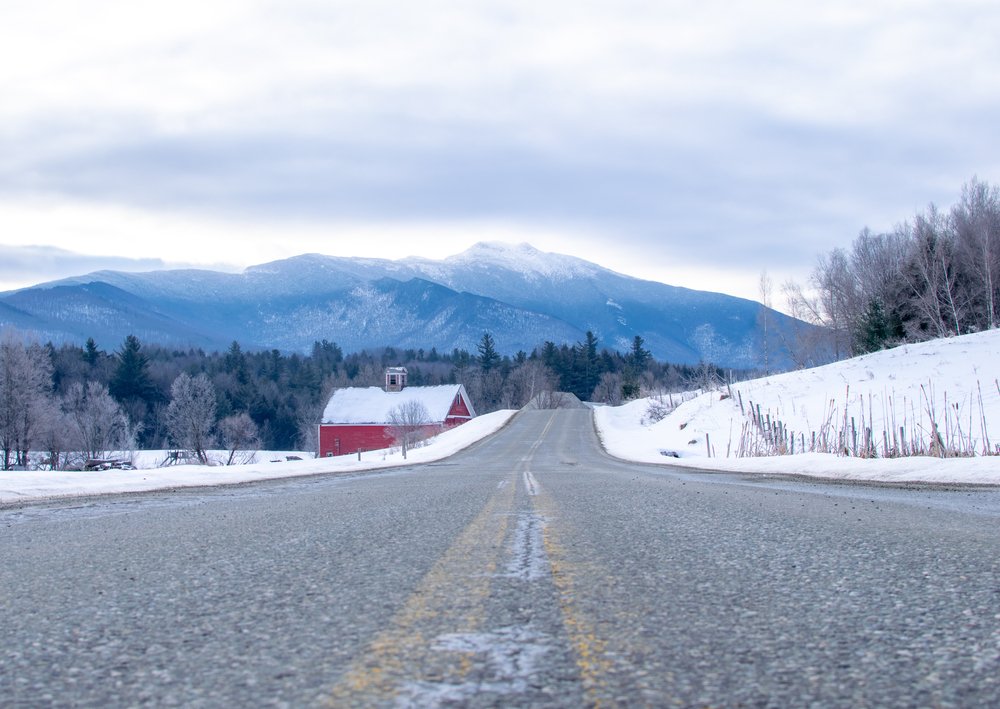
point(530, 570)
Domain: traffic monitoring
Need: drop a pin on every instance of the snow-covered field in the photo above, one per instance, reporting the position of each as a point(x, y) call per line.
point(949, 385)
point(16, 486)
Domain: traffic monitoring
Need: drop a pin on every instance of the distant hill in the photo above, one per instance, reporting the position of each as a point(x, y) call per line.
point(522, 296)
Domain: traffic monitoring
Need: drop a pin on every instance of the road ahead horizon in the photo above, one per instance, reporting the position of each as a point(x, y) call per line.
point(529, 570)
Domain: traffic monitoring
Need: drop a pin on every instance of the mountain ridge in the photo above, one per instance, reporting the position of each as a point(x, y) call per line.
point(521, 295)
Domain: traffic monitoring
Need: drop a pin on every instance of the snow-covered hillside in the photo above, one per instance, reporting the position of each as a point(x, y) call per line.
point(938, 398)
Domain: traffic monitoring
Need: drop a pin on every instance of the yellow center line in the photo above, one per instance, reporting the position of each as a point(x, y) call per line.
point(601, 655)
point(451, 598)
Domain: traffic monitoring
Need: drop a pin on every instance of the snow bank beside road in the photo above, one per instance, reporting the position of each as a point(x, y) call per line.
point(18, 486)
point(954, 380)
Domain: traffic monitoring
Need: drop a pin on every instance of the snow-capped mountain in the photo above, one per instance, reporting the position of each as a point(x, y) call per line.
point(521, 295)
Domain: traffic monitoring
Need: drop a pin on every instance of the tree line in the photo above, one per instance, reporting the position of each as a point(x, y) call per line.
point(77, 403)
point(935, 275)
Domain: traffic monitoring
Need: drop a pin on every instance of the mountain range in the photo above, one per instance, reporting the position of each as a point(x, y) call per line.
point(520, 295)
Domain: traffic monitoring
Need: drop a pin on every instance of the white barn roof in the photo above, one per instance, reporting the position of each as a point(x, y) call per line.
point(373, 404)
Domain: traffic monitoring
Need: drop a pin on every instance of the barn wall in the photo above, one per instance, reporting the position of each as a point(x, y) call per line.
point(347, 439)
point(343, 440)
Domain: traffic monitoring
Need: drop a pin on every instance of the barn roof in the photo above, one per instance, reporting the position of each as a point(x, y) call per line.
point(372, 404)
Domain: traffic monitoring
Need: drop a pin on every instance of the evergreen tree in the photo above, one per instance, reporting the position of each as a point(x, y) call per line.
point(590, 364)
point(235, 363)
point(639, 357)
point(489, 359)
point(636, 362)
point(877, 329)
point(131, 379)
point(91, 353)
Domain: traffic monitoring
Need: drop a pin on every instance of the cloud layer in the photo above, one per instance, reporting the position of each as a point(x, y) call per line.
point(699, 133)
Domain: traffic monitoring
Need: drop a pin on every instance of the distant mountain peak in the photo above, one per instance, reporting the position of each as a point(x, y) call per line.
point(522, 258)
point(521, 295)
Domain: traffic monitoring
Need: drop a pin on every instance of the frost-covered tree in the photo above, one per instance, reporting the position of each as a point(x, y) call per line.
point(97, 422)
point(240, 437)
point(25, 384)
point(54, 436)
point(190, 416)
point(407, 422)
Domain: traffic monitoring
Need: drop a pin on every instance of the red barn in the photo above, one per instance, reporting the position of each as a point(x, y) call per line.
point(357, 418)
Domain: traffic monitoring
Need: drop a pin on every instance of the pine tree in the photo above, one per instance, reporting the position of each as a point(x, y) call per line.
point(489, 359)
point(635, 364)
point(131, 379)
point(591, 373)
point(874, 329)
point(91, 354)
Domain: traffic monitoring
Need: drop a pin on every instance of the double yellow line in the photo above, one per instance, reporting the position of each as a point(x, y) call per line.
point(452, 599)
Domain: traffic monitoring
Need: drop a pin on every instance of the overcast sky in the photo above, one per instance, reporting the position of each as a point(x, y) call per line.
point(694, 143)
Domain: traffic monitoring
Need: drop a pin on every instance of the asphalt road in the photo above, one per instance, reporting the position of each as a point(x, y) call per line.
point(530, 570)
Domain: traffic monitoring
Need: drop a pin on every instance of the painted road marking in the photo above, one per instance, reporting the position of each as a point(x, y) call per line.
point(451, 597)
point(598, 656)
point(436, 650)
point(528, 561)
point(508, 657)
point(530, 484)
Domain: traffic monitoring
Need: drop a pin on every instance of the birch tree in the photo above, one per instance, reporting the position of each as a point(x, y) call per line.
point(931, 279)
point(765, 289)
point(976, 223)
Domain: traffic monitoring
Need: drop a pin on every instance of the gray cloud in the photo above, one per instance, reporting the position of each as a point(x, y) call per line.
point(28, 265)
point(743, 137)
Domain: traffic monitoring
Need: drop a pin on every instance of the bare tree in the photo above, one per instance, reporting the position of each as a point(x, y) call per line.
point(876, 261)
point(54, 436)
point(25, 383)
point(190, 416)
point(609, 389)
point(837, 289)
point(97, 422)
point(525, 382)
point(240, 437)
point(486, 387)
point(931, 279)
point(976, 224)
point(407, 423)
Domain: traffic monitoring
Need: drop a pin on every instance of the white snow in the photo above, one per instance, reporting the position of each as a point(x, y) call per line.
point(17, 486)
point(954, 380)
point(523, 258)
point(374, 404)
point(898, 386)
